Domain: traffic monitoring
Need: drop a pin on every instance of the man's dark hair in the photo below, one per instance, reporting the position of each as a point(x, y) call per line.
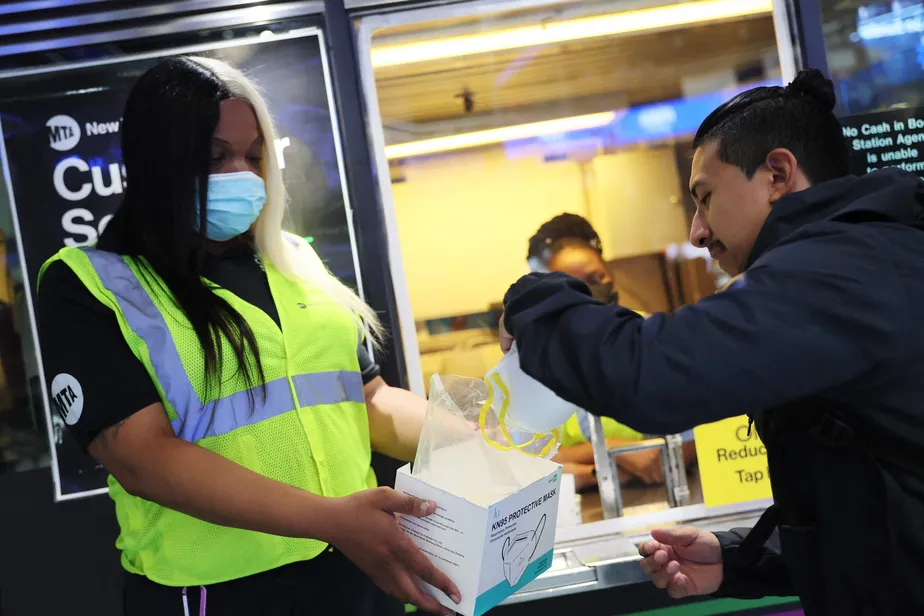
point(799, 118)
point(552, 236)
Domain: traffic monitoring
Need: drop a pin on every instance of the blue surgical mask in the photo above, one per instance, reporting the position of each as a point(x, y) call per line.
point(235, 200)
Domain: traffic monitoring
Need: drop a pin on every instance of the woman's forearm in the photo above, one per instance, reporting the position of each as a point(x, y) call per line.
point(223, 492)
point(200, 483)
point(396, 419)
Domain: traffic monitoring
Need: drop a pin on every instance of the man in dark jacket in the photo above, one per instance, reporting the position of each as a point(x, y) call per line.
point(819, 340)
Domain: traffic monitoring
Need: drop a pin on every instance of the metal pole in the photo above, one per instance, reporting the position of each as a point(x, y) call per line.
point(675, 472)
point(607, 475)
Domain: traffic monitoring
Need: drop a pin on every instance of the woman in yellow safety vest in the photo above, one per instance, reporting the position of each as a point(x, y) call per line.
point(217, 370)
point(568, 243)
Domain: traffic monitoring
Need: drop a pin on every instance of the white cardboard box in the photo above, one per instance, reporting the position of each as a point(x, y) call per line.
point(489, 552)
point(569, 503)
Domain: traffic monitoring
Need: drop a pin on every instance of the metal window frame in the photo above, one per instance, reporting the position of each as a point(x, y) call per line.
point(385, 296)
point(41, 5)
point(356, 7)
point(119, 14)
point(786, 41)
point(187, 23)
point(808, 34)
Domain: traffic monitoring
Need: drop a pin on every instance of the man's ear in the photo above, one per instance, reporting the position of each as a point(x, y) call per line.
point(784, 173)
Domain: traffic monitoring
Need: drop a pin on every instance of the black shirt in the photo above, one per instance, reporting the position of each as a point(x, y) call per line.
point(81, 337)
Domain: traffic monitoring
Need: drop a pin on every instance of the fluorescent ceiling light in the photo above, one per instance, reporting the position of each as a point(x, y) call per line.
point(498, 135)
point(670, 16)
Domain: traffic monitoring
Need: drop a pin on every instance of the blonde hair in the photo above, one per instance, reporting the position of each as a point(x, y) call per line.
point(293, 257)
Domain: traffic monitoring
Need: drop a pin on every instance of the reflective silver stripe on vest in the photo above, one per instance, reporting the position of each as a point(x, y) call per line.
point(328, 388)
point(197, 420)
point(234, 411)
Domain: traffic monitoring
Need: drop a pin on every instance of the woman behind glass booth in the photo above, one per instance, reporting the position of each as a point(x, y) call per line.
point(569, 244)
point(221, 377)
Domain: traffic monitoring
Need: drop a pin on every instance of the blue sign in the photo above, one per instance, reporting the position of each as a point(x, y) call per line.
point(670, 119)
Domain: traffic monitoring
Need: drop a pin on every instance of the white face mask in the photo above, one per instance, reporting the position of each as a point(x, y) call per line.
point(235, 201)
point(519, 551)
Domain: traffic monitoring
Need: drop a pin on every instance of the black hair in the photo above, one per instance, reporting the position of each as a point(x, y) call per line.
point(559, 232)
point(167, 128)
point(799, 118)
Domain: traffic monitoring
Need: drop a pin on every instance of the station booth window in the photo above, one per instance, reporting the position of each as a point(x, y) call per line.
point(874, 53)
point(489, 123)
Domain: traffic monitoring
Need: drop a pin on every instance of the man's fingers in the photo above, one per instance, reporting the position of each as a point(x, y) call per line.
point(506, 340)
point(661, 579)
point(682, 536)
point(656, 562)
point(667, 574)
point(660, 556)
point(648, 548)
point(649, 566)
point(679, 586)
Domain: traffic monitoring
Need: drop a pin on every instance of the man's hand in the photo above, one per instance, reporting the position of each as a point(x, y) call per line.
point(367, 533)
point(686, 561)
point(506, 340)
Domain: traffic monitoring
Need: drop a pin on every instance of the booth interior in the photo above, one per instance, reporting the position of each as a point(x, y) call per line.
point(494, 123)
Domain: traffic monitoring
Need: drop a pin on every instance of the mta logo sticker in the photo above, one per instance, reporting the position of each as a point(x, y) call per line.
point(63, 133)
point(67, 398)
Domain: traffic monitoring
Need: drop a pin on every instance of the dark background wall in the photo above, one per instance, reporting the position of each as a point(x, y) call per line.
point(56, 558)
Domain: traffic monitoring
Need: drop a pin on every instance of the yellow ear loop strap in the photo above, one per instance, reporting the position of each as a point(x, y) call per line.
point(502, 416)
point(501, 419)
point(484, 415)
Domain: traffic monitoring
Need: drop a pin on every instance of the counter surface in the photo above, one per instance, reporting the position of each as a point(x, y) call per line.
point(605, 554)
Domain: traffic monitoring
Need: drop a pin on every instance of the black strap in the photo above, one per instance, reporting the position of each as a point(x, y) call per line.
point(893, 449)
point(752, 547)
point(830, 429)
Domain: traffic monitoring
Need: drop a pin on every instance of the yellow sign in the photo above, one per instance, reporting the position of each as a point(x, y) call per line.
point(732, 464)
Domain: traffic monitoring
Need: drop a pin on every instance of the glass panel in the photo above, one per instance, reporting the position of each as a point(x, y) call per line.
point(875, 53)
point(61, 134)
point(497, 122)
